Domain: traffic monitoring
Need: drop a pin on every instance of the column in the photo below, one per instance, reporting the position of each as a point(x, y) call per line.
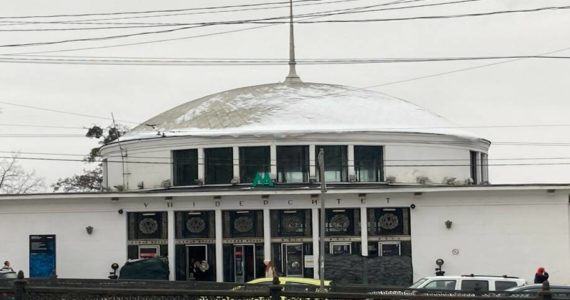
point(312, 164)
point(267, 234)
point(350, 154)
point(316, 250)
point(236, 162)
point(219, 246)
point(171, 245)
point(273, 161)
point(201, 162)
point(364, 230)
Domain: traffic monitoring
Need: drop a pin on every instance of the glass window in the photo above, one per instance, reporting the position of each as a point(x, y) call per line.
point(503, 285)
point(484, 168)
point(336, 163)
point(185, 167)
point(292, 164)
point(441, 285)
point(253, 160)
point(475, 285)
point(219, 165)
point(389, 249)
point(369, 163)
point(473, 166)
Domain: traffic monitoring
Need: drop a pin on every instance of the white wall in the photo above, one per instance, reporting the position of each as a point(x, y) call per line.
point(414, 156)
point(496, 233)
point(76, 251)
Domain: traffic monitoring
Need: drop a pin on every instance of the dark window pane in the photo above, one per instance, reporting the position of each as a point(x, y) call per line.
point(475, 285)
point(336, 163)
point(503, 285)
point(219, 165)
point(253, 160)
point(473, 166)
point(368, 163)
point(185, 166)
point(293, 163)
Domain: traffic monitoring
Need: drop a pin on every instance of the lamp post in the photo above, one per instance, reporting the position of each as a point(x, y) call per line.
point(321, 160)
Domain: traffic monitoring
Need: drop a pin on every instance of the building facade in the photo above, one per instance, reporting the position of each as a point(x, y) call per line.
point(233, 179)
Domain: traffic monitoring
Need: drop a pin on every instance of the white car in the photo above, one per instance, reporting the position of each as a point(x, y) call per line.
point(468, 283)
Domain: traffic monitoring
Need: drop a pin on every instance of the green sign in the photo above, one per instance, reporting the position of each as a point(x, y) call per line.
point(262, 179)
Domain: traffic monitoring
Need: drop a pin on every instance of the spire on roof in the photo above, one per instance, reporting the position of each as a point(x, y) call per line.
point(292, 77)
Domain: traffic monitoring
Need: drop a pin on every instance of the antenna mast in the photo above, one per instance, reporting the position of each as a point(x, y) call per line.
point(292, 77)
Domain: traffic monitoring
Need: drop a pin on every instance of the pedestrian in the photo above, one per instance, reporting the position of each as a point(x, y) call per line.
point(269, 269)
point(541, 275)
point(6, 268)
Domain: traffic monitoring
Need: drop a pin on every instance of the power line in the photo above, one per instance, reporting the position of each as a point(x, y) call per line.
point(250, 62)
point(62, 112)
point(166, 40)
point(386, 165)
point(153, 11)
point(264, 21)
point(142, 25)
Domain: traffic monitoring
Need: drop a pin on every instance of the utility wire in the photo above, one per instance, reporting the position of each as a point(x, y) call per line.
point(62, 112)
point(385, 160)
point(154, 24)
point(249, 62)
point(155, 11)
point(264, 21)
point(386, 165)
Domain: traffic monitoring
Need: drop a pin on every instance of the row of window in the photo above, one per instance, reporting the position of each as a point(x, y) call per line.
point(292, 164)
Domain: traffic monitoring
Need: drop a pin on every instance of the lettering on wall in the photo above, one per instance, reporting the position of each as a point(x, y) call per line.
point(217, 203)
point(290, 202)
point(265, 202)
point(146, 204)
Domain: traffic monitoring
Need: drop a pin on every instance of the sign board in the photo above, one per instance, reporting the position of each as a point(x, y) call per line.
point(262, 179)
point(42, 255)
point(309, 261)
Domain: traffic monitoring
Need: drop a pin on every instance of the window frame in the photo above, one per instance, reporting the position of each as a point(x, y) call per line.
point(343, 153)
point(175, 166)
point(379, 172)
point(230, 166)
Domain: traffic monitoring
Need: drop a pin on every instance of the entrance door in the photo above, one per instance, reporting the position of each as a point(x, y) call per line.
point(293, 259)
point(195, 254)
point(42, 255)
point(244, 263)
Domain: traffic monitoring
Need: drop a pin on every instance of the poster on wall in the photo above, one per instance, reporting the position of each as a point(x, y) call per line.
point(42, 255)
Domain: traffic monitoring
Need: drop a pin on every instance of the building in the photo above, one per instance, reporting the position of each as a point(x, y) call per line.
point(232, 179)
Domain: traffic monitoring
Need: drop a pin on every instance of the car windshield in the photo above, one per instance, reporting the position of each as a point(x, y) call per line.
point(418, 283)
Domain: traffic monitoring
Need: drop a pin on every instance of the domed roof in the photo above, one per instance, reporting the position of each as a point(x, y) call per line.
point(295, 108)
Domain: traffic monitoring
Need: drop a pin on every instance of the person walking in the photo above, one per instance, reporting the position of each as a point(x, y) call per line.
point(6, 267)
point(269, 269)
point(541, 275)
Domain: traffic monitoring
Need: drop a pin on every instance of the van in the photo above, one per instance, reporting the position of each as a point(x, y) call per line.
point(468, 283)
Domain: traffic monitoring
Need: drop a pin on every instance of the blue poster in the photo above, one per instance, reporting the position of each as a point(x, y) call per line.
point(42, 255)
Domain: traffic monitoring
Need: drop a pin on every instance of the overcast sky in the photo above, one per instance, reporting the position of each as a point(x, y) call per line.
point(525, 102)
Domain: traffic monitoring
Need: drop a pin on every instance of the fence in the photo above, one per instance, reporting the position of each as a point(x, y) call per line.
point(84, 289)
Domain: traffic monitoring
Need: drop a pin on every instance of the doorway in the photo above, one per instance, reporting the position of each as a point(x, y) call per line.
point(244, 263)
point(195, 254)
point(293, 259)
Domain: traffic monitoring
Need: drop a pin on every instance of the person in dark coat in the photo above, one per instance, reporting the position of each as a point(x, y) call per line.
point(540, 276)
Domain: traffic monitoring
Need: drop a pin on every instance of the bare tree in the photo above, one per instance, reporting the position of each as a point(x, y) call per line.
point(15, 180)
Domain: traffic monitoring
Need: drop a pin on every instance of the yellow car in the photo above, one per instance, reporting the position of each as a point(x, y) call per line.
point(297, 284)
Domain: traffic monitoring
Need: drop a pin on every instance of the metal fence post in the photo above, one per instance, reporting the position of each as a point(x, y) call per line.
point(545, 293)
point(275, 289)
point(20, 286)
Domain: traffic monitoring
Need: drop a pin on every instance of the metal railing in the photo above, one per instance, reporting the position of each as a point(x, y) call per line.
point(93, 289)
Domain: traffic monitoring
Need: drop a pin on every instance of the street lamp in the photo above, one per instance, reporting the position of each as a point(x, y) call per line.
point(321, 160)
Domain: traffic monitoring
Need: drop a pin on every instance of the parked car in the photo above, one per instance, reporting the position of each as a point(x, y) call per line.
point(6, 285)
point(145, 269)
point(557, 291)
point(297, 284)
point(468, 283)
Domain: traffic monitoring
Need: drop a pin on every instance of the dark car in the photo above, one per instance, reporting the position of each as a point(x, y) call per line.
point(145, 269)
point(557, 291)
point(7, 285)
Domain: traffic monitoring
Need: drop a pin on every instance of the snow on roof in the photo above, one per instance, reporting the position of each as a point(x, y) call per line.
point(298, 108)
